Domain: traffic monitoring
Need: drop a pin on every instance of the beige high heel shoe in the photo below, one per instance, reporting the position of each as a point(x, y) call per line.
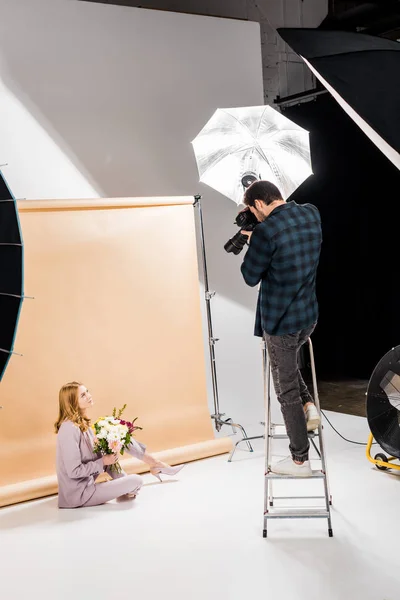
point(165, 470)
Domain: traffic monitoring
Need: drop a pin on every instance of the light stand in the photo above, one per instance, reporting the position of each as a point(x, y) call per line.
point(217, 416)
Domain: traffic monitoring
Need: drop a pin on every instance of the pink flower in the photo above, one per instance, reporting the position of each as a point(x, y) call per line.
point(115, 446)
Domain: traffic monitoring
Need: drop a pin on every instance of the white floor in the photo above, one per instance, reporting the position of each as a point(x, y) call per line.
point(200, 537)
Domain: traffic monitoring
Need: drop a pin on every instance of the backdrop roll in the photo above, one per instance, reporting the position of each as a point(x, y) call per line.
point(117, 306)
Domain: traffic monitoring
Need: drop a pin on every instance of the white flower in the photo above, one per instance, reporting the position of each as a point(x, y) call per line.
point(102, 423)
point(112, 436)
point(102, 433)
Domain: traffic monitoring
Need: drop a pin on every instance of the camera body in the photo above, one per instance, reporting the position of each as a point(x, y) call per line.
point(247, 222)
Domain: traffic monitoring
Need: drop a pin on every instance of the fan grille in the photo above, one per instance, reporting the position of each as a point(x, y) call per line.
point(383, 402)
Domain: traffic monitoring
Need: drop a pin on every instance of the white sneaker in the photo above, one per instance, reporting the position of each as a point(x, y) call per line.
point(287, 466)
point(312, 417)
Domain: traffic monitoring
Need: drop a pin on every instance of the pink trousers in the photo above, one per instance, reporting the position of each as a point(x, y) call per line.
point(121, 483)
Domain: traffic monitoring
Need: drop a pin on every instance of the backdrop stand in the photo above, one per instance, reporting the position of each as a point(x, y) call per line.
point(217, 416)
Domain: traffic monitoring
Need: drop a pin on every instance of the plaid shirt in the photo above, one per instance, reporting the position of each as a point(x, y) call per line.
point(283, 254)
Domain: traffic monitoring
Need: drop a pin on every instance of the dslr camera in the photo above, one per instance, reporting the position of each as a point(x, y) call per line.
point(245, 220)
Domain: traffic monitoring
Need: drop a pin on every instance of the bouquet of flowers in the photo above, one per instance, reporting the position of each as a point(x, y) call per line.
point(113, 435)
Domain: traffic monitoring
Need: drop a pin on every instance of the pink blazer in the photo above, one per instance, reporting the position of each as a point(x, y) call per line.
point(77, 465)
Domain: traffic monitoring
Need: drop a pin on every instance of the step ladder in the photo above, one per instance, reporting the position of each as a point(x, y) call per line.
point(273, 508)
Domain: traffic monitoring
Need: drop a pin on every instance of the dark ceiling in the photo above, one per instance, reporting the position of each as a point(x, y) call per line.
point(375, 18)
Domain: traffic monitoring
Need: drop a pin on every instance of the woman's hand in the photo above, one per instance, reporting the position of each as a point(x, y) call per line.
point(110, 459)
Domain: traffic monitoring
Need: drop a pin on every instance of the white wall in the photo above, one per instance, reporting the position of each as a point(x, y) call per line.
point(285, 73)
point(100, 100)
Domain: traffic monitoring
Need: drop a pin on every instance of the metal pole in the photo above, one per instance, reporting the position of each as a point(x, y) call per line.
point(217, 416)
point(211, 338)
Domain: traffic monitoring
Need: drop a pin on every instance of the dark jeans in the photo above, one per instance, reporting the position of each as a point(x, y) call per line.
point(290, 388)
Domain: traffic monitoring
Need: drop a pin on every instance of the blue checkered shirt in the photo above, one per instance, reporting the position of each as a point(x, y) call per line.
point(283, 255)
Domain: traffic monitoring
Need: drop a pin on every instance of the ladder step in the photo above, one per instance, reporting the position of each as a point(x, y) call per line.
point(273, 498)
point(315, 475)
point(284, 436)
point(275, 426)
point(291, 513)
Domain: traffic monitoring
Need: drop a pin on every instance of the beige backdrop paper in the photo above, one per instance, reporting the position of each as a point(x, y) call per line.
point(117, 307)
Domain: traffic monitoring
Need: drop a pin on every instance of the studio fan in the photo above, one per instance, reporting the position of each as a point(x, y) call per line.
point(383, 410)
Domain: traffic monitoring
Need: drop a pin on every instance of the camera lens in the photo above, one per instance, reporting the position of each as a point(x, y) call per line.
point(246, 221)
point(236, 244)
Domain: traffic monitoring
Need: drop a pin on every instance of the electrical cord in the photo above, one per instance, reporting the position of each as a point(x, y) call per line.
point(342, 436)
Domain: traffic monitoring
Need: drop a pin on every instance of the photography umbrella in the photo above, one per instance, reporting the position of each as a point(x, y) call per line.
point(255, 140)
point(11, 273)
point(236, 147)
point(362, 73)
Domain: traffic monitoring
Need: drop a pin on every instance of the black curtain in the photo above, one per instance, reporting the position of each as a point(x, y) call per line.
point(356, 189)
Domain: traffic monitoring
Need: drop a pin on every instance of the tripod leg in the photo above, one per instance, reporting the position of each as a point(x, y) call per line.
point(243, 431)
point(246, 439)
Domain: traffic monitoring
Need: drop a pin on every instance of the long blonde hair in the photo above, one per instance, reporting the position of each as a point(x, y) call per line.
point(69, 409)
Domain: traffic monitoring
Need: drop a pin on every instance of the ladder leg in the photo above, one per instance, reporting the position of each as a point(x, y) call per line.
point(267, 408)
point(271, 493)
point(328, 498)
point(281, 512)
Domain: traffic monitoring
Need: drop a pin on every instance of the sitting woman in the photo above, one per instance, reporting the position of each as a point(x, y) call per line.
point(78, 466)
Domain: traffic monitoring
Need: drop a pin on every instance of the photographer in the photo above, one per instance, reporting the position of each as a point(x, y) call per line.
point(283, 255)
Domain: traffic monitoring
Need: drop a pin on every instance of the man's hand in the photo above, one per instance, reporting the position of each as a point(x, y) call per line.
point(248, 233)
